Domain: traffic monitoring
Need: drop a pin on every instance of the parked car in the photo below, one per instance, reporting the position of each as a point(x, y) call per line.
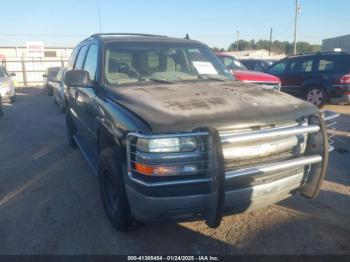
point(7, 87)
point(316, 77)
point(171, 136)
point(49, 78)
point(255, 64)
point(241, 73)
point(1, 111)
point(58, 89)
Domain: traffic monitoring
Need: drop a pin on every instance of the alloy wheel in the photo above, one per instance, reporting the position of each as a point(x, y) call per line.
point(316, 97)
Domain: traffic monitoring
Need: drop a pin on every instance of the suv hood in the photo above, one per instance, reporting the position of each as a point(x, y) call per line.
point(172, 108)
point(254, 76)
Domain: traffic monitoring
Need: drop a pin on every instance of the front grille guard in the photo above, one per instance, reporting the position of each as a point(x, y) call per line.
point(215, 172)
point(328, 117)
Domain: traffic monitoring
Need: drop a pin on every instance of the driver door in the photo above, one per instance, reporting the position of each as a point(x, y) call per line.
point(85, 100)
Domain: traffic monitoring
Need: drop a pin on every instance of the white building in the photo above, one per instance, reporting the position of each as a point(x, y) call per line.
point(341, 43)
point(256, 54)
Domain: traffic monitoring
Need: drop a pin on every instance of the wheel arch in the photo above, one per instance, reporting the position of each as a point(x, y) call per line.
point(317, 83)
point(105, 139)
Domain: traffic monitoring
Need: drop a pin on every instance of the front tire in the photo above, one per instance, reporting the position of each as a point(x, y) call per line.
point(13, 99)
point(317, 96)
point(49, 91)
point(112, 189)
point(71, 130)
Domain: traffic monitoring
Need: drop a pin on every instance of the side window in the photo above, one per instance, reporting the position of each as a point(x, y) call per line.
point(258, 66)
point(228, 61)
point(306, 66)
point(331, 64)
point(80, 59)
point(59, 75)
point(277, 68)
point(90, 64)
point(300, 65)
point(72, 58)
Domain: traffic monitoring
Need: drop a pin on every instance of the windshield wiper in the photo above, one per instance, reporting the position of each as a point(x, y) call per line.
point(161, 80)
point(214, 78)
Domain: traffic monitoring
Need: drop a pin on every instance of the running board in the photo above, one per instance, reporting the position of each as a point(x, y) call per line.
point(81, 145)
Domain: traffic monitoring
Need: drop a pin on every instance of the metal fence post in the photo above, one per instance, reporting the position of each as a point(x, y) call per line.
point(24, 72)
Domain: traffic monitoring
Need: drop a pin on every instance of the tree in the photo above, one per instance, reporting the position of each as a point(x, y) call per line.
point(217, 49)
point(279, 47)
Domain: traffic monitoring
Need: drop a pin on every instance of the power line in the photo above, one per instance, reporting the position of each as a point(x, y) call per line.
point(40, 35)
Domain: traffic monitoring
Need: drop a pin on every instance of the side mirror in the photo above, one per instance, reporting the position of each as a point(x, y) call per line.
point(12, 74)
point(77, 78)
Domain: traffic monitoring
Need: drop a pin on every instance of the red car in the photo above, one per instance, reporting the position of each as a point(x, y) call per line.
point(241, 73)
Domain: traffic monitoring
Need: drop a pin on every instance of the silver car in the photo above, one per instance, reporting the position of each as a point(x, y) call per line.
point(58, 89)
point(7, 87)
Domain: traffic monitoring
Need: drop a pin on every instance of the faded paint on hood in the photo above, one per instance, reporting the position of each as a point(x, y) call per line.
point(169, 108)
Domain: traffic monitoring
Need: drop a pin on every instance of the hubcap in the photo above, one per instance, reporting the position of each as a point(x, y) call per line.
point(315, 96)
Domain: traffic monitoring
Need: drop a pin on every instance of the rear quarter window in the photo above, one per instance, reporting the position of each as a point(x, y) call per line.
point(333, 63)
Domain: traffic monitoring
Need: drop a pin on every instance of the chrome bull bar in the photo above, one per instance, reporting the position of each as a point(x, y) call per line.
point(274, 167)
point(253, 136)
point(328, 117)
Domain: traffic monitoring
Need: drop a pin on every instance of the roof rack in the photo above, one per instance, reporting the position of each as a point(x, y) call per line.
point(124, 34)
point(319, 53)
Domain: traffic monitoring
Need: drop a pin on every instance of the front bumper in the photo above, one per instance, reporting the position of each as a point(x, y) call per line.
point(150, 209)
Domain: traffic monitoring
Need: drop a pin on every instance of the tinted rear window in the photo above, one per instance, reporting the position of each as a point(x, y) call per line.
point(333, 63)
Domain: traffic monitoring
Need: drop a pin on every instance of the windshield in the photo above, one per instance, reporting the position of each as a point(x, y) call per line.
point(3, 72)
point(232, 63)
point(53, 73)
point(127, 63)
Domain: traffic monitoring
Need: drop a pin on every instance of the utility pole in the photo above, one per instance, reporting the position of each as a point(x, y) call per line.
point(237, 40)
point(270, 41)
point(99, 16)
point(297, 12)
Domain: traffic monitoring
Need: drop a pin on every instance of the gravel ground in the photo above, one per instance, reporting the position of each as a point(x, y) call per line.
point(50, 204)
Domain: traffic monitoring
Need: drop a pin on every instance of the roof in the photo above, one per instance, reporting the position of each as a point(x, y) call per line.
point(337, 37)
point(133, 37)
point(319, 53)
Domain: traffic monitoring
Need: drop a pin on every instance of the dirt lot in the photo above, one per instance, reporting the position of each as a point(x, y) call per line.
point(50, 204)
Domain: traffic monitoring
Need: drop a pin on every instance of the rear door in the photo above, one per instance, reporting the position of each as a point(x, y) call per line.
point(298, 70)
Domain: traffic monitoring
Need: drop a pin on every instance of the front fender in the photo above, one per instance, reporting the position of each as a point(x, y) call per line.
point(117, 120)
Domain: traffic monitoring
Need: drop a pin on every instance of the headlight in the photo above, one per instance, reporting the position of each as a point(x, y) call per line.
point(5, 84)
point(167, 145)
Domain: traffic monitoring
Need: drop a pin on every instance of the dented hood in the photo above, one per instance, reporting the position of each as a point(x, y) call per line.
point(169, 108)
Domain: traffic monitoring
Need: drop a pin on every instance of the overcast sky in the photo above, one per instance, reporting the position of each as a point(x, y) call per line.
point(215, 22)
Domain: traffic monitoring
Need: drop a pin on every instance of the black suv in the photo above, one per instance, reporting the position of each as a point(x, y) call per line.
point(318, 77)
point(173, 137)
